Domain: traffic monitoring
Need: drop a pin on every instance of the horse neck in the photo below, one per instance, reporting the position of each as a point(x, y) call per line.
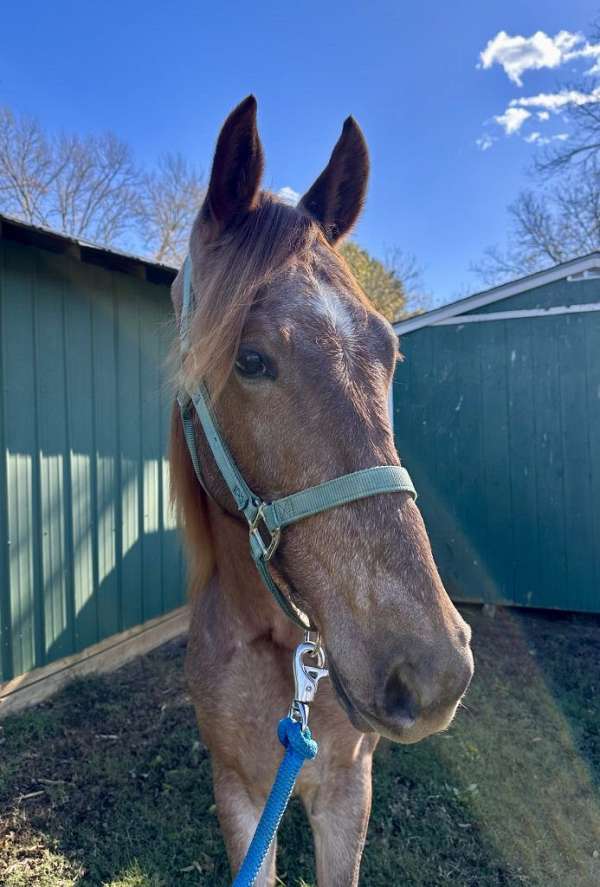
point(247, 601)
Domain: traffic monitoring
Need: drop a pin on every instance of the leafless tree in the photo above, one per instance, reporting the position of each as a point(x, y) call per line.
point(84, 186)
point(559, 218)
point(548, 227)
point(27, 170)
point(406, 267)
point(169, 199)
point(95, 188)
point(581, 151)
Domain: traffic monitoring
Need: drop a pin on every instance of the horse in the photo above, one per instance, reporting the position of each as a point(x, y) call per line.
point(299, 366)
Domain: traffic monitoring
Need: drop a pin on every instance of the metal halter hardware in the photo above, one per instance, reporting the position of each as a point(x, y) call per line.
point(271, 517)
point(256, 536)
point(306, 677)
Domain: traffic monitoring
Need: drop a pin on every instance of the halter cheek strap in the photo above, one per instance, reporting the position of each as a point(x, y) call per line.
point(266, 519)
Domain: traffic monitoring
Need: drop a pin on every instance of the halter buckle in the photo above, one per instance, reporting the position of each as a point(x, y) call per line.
point(266, 549)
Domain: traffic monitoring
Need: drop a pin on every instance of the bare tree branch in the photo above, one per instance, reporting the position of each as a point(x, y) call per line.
point(169, 200)
point(582, 149)
point(96, 189)
point(26, 168)
point(548, 227)
point(560, 219)
point(405, 267)
point(583, 121)
point(85, 187)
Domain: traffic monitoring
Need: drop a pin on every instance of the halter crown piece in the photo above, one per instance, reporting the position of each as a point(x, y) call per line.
point(266, 519)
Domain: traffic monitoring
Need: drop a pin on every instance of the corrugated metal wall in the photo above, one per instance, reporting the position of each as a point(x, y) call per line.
point(499, 425)
point(88, 544)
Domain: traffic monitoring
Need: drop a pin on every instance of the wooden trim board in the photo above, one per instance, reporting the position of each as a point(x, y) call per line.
point(41, 683)
point(572, 268)
point(555, 310)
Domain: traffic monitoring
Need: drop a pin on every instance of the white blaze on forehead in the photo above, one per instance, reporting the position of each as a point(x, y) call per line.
point(331, 305)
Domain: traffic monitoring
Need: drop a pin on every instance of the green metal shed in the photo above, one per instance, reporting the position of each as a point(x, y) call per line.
point(497, 417)
point(88, 546)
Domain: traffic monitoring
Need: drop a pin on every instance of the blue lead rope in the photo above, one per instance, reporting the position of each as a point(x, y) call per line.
point(299, 747)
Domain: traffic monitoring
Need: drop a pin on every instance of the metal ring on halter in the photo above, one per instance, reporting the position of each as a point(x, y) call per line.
point(268, 549)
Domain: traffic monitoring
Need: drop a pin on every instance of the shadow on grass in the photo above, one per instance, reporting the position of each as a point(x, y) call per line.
point(109, 784)
point(566, 651)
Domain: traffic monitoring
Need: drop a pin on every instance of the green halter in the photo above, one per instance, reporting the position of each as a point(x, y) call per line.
point(267, 519)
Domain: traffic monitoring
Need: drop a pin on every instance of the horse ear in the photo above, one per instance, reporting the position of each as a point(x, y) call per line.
point(237, 168)
point(336, 198)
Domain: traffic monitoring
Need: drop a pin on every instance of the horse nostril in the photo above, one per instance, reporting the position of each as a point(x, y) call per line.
point(398, 700)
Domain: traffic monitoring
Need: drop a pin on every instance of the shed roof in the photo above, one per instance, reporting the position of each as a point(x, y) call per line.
point(55, 241)
point(575, 267)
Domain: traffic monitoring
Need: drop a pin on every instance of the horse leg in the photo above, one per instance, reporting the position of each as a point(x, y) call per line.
point(239, 814)
point(338, 811)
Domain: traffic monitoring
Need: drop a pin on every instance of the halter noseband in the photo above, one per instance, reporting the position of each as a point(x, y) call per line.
point(272, 516)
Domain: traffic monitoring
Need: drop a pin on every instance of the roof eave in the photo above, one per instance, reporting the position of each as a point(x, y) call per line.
point(12, 228)
point(495, 294)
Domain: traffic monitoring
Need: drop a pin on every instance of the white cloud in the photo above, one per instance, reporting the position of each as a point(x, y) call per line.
point(485, 142)
point(512, 120)
point(288, 195)
point(589, 51)
point(518, 54)
point(595, 69)
point(539, 139)
point(550, 102)
point(554, 101)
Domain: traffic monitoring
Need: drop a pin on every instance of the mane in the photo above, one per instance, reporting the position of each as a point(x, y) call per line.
point(232, 269)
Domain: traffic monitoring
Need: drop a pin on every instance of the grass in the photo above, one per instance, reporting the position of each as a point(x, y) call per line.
point(108, 784)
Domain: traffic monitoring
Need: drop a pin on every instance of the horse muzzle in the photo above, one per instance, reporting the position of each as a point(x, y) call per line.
point(408, 709)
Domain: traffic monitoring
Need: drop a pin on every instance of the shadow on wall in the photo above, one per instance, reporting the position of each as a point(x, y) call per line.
point(499, 428)
point(88, 543)
point(83, 571)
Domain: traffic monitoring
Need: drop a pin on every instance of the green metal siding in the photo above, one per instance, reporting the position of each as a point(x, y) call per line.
point(88, 546)
point(499, 424)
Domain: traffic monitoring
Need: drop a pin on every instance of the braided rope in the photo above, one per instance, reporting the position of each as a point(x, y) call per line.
point(299, 747)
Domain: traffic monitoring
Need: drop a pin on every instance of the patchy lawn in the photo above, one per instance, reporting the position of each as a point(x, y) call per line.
point(109, 784)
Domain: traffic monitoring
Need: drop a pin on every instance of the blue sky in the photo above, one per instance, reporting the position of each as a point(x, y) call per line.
point(163, 77)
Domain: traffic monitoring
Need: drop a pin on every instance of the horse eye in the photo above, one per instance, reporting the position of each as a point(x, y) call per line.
point(251, 364)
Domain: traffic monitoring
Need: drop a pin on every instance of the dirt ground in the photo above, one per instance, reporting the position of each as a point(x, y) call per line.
point(109, 783)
